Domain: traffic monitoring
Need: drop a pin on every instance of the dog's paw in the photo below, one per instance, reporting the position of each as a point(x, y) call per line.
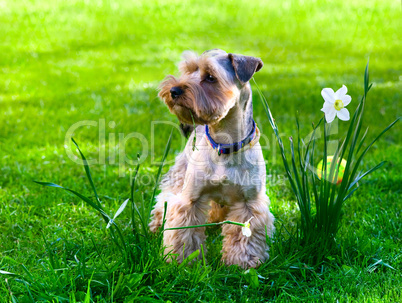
point(245, 262)
point(155, 223)
point(154, 226)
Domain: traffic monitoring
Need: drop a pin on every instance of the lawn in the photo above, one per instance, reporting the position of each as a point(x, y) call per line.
point(66, 62)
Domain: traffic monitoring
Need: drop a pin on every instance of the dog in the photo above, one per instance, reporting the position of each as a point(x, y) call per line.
point(221, 173)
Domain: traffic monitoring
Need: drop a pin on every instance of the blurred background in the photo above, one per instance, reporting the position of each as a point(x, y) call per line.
point(62, 62)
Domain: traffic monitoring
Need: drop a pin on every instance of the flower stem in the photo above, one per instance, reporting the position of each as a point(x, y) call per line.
point(206, 225)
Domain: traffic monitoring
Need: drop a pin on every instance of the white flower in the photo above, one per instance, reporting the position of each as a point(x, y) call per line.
point(335, 103)
point(246, 228)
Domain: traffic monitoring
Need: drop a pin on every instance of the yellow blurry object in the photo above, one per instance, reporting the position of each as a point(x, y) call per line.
point(341, 170)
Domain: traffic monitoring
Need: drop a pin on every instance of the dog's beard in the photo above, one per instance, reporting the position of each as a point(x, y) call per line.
point(199, 104)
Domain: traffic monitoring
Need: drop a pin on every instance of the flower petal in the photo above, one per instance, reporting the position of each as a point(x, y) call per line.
point(346, 100)
point(246, 231)
point(328, 95)
point(343, 114)
point(248, 221)
point(341, 92)
point(330, 115)
point(327, 107)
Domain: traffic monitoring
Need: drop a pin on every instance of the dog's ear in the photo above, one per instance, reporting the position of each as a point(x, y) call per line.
point(245, 66)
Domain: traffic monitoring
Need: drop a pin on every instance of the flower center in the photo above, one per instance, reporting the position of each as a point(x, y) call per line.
point(338, 104)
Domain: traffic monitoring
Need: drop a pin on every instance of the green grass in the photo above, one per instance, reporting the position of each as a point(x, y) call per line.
point(64, 62)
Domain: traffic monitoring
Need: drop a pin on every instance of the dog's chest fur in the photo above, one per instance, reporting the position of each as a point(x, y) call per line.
point(225, 178)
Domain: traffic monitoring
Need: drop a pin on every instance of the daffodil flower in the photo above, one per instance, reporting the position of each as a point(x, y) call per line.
point(335, 102)
point(246, 228)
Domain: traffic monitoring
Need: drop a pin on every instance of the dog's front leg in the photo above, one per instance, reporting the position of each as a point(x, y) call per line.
point(157, 213)
point(248, 251)
point(184, 212)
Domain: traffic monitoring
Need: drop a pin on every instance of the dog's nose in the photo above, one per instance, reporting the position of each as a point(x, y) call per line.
point(176, 92)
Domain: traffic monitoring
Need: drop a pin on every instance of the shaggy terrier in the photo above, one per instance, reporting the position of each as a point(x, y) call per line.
point(221, 173)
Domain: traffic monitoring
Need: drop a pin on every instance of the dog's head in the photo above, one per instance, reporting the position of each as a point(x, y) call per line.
point(209, 85)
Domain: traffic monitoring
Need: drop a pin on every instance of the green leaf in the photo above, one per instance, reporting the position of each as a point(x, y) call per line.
point(190, 258)
point(251, 277)
point(366, 79)
point(347, 269)
point(133, 280)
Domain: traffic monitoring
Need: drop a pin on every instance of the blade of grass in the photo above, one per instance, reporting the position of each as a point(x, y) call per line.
point(87, 171)
point(163, 224)
point(302, 205)
point(357, 115)
point(303, 175)
point(365, 174)
point(280, 143)
point(99, 208)
point(314, 177)
point(85, 199)
point(362, 140)
point(118, 212)
point(323, 193)
point(360, 158)
point(134, 225)
point(167, 148)
point(99, 253)
point(7, 273)
point(333, 177)
point(348, 177)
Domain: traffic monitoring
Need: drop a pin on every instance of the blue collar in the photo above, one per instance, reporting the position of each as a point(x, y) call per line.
point(230, 148)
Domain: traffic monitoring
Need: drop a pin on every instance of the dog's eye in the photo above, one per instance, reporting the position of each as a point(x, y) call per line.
point(210, 78)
